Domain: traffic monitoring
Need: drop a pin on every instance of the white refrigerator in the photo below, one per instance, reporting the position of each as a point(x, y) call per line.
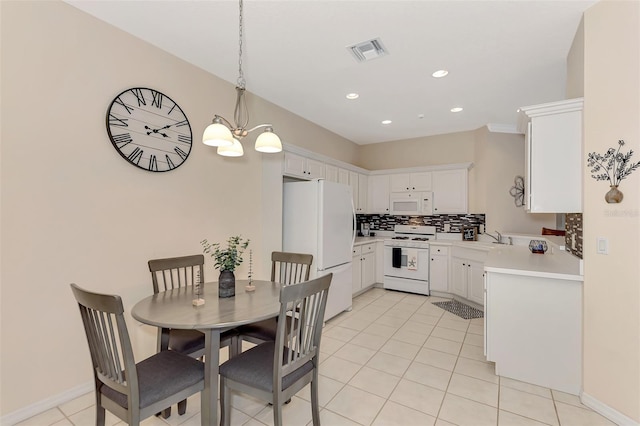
point(319, 219)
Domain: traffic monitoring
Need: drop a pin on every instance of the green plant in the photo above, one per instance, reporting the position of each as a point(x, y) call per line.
point(612, 166)
point(226, 259)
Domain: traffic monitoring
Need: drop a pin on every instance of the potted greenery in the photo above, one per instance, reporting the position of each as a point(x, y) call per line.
point(226, 260)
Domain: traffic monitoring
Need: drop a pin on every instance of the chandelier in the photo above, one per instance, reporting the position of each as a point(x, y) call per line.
point(226, 136)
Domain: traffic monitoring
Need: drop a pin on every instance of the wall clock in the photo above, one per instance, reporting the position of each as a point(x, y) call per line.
point(149, 130)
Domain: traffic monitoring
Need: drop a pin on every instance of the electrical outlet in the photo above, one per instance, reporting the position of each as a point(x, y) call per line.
point(602, 245)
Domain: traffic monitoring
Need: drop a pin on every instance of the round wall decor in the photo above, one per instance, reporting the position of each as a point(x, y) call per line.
point(149, 130)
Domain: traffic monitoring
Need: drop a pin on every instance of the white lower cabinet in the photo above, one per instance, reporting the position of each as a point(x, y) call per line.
point(439, 269)
point(380, 261)
point(364, 267)
point(467, 269)
point(534, 329)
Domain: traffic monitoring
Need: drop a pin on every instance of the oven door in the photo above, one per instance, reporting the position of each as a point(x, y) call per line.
point(408, 262)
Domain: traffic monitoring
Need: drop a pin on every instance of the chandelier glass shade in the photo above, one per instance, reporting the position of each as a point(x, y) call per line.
point(233, 150)
point(227, 136)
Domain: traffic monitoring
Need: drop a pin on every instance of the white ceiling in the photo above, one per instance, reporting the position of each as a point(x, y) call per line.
point(500, 55)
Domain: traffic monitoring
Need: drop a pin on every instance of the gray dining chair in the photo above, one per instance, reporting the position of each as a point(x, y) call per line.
point(132, 391)
point(175, 272)
point(286, 268)
point(275, 371)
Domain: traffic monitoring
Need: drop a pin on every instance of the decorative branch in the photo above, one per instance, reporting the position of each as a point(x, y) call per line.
point(612, 166)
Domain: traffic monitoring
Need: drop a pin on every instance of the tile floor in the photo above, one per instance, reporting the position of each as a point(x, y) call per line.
point(395, 359)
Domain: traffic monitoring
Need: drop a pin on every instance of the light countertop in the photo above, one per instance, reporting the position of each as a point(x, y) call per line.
point(512, 259)
point(518, 260)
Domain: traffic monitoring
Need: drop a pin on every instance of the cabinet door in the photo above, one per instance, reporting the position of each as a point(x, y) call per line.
point(356, 271)
point(449, 191)
point(378, 200)
point(459, 271)
point(380, 261)
point(401, 182)
point(362, 193)
point(331, 173)
point(439, 269)
point(475, 282)
point(294, 165)
point(353, 182)
point(314, 169)
point(555, 174)
point(368, 269)
point(343, 176)
point(421, 181)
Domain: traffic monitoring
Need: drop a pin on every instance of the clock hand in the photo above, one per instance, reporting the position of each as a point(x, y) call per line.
point(158, 130)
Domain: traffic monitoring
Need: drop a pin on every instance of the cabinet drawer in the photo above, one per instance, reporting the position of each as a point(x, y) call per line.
point(357, 250)
point(435, 250)
point(368, 248)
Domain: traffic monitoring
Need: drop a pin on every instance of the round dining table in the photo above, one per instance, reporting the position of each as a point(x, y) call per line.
point(175, 309)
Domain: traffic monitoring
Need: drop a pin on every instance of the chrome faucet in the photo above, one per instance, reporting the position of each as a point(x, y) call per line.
point(498, 238)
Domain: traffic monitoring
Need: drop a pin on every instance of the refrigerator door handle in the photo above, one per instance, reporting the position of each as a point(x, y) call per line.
point(355, 225)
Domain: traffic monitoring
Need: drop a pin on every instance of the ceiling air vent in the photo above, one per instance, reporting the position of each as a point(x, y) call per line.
point(367, 50)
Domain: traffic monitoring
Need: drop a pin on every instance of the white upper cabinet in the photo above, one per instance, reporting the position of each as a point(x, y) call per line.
point(409, 182)
point(553, 156)
point(302, 167)
point(358, 183)
point(343, 176)
point(378, 199)
point(363, 191)
point(450, 191)
point(331, 173)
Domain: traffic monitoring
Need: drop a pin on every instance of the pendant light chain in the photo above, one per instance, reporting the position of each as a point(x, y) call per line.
point(241, 82)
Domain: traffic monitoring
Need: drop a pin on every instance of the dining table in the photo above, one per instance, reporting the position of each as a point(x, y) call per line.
point(175, 309)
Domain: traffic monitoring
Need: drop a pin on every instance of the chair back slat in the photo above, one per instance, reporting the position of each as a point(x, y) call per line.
point(176, 272)
point(300, 321)
point(109, 344)
point(290, 268)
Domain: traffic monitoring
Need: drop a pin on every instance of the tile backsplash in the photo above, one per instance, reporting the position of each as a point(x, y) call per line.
point(573, 229)
point(455, 221)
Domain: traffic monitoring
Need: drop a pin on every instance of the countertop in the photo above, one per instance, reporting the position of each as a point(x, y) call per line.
point(512, 259)
point(518, 260)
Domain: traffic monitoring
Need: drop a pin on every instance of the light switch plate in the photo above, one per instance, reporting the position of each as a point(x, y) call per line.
point(602, 245)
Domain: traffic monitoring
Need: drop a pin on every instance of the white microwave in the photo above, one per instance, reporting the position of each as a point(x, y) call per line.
point(411, 203)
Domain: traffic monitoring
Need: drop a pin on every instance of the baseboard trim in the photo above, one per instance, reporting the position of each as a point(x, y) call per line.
point(606, 411)
point(45, 404)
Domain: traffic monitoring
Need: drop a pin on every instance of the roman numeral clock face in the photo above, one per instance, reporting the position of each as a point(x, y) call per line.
point(149, 129)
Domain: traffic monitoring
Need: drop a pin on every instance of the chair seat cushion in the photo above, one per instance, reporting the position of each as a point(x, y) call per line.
point(190, 341)
point(160, 376)
point(255, 368)
point(263, 330)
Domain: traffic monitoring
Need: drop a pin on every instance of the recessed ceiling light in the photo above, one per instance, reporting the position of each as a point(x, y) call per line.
point(353, 96)
point(456, 109)
point(421, 116)
point(386, 121)
point(440, 73)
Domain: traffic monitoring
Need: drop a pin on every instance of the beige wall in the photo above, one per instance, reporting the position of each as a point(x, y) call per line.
point(499, 159)
point(612, 282)
point(575, 65)
point(72, 210)
point(426, 151)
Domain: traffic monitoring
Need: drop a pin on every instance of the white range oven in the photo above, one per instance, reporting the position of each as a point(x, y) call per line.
point(406, 259)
